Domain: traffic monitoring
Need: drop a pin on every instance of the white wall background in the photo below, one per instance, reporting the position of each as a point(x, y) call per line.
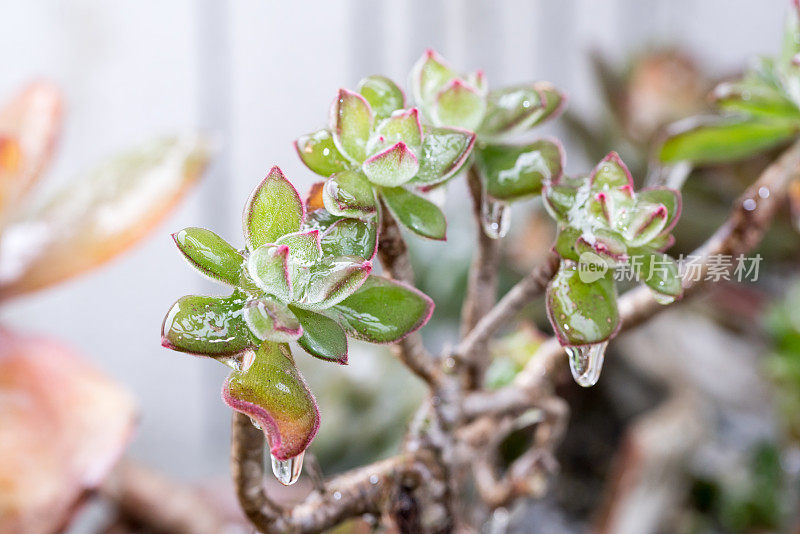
point(258, 73)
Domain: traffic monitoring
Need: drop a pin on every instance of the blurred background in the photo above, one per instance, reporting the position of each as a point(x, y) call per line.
point(255, 74)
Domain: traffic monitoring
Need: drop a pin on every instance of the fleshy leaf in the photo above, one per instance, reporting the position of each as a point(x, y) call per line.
point(428, 76)
point(271, 320)
point(272, 392)
point(93, 219)
point(611, 173)
point(755, 97)
point(210, 254)
point(394, 166)
point(607, 245)
point(644, 223)
point(319, 153)
point(419, 215)
point(330, 281)
point(566, 243)
point(660, 273)
point(349, 194)
point(582, 312)
point(715, 140)
point(207, 326)
point(558, 199)
point(268, 267)
point(512, 110)
point(322, 336)
point(554, 101)
point(351, 124)
point(460, 106)
point(515, 171)
point(383, 311)
point(669, 198)
point(403, 126)
point(444, 151)
point(30, 123)
point(304, 246)
point(273, 209)
point(383, 95)
point(351, 237)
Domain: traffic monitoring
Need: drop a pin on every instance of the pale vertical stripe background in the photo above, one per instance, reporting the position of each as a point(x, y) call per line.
point(257, 73)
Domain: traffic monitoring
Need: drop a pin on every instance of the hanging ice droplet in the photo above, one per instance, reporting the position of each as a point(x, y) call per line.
point(586, 362)
point(495, 217)
point(234, 362)
point(661, 298)
point(287, 471)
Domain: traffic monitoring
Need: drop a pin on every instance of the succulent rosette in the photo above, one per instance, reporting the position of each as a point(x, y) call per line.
point(602, 225)
point(376, 151)
point(302, 277)
point(509, 171)
point(759, 111)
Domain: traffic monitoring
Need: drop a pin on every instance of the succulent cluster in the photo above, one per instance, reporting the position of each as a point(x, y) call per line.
point(303, 276)
point(508, 171)
point(603, 224)
point(759, 111)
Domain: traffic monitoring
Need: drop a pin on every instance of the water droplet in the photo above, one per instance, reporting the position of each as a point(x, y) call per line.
point(661, 298)
point(287, 471)
point(496, 218)
point(234, 362)
point(255, 423)
point(337, 495)
point(749, 204)
point(373, 479)
point(586, 362)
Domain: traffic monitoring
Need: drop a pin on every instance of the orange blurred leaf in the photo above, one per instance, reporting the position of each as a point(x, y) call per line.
point(64, 425)
point(29, 126)
point(99, 215)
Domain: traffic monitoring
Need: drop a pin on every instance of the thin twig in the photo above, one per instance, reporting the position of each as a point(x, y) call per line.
point(481, 292)
point(394, 257)
point(517, 298)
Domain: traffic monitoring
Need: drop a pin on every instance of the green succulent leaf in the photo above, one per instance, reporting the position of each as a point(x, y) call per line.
point(558, 199)
point(643, 223)
point(304, 246)
point(459, 105)
point(516, 171)
point(582, 312)
point(755, 97)
point(207, 326)
point(402, 125)
point(351, 124)
point(419, 215)
point(351, 237)
point(383, 95)
point(715, 140)
point(428, 76)
point(268, 267)
point(273, 209)
point(272, 392)
point(554, 101)
point(383, 311)
point(349, 194)
point(322, 336)
point(669, 198)
point(608, 246)
point(394, 166)
point(659, 272)
point(566, 242)
point(512, 110)
point(611, 173)
point(270, 320)
point(319, 153)
point(443, 153)
point(329, 281)
point(210, 254)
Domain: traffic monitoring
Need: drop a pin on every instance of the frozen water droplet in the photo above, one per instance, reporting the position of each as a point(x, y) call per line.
point(287, 471)
point(255, 423)
point(234, 362)
point(586, 362)
point(661, 298)
point(495, 217)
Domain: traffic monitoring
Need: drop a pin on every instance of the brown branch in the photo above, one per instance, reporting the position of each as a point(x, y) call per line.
point(147, 498)
point(517, 298)
point(394, 257)
point(481, 292)
point(741, 233)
